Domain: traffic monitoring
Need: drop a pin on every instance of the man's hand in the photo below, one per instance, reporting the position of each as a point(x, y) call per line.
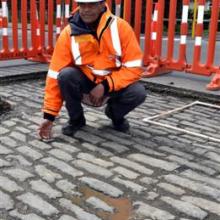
point(96, 95)
point(45, 130)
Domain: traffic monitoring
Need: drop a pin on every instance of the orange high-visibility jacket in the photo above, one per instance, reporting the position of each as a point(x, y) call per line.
point(111, 54)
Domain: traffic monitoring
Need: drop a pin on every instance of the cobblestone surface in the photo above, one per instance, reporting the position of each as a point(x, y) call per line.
point(151, 173)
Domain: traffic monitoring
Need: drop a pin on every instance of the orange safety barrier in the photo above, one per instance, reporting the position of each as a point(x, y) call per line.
point(29, 30)
point(159, 64)
point(0, 18)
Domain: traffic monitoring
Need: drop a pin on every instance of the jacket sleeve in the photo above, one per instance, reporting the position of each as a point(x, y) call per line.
point(131, 59)
point(61, 58)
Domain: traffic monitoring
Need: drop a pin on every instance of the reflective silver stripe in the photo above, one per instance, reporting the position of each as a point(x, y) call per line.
point(58, 30)
point(185, 13)
point(4, 9)
point(155, 15)
point(183, 39)
point(115, 37)
point(153, 35)
point(52, 74)
point(133, 63)
point(5, 31)
point(75, 51)
point(99, 72)
point(198, 41)
point(67, 10)
point(201, 9)
point(58, 11)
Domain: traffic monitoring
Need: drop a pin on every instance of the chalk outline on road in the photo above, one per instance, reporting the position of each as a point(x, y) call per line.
point(150, 120)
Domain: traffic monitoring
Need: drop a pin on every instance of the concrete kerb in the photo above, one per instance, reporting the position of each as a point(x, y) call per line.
point(22, 77)
point(180, 92)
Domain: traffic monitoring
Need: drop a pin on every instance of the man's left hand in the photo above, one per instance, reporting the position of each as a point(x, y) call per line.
point(96, 95)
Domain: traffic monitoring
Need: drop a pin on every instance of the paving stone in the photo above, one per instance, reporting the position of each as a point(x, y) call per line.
point(99, 204)
point(4, 150)
point(47, 174)
point(132, 165)
point(212, 164)
point(91, 168)
point(129, 184)
point(8, 141)
point(194, 186)
point(192, 165)
point(29, 152)
point(20, 159)
point(206, 179)
point(6, 202)
point(18, 174)
point(125, 172)
point(185, 207)
point(79, 212)
point(4, 163)
point(61, 154)
point(147, 150)
point(62, 166)
point(18, 136)
point(162, 164)
point(40, 145)
point(91, 158)
point(66, 187)
point(85, 136)
point(93, 148)
point(8, 123)
point(66, 147)
point(38, 203)
point(148, 180)
point(205, 204)
point(146, 210)
point(102, 186)
point(171, 188)
point(176, 152)
point(114, 146)
point(9, 185)
point(67, 217)
point(23, 130)
point(3, 130)
point(45, 188)
point(31, 216)
point(152, 196)
point(213, 156)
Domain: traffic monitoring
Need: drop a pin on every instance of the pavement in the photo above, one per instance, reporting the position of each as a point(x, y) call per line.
point(166, 168)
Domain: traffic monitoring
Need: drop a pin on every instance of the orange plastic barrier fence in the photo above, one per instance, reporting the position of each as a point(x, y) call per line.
point(29, 29)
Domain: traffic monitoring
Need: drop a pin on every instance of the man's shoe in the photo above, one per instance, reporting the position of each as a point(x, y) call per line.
point(121, 125)
point(73, 126)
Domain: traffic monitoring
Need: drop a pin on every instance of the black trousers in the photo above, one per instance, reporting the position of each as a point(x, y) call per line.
point(74, 83)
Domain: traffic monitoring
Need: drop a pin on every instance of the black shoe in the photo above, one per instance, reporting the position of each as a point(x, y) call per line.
point(73, 126)
point(121, 125)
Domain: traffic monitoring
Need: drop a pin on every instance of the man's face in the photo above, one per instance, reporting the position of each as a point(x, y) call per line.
point(89, 12)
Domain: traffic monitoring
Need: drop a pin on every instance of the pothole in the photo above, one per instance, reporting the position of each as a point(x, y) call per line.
point(4, 107)
point(113, 208)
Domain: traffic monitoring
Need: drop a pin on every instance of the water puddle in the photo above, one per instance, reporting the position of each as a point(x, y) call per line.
point(122, 206)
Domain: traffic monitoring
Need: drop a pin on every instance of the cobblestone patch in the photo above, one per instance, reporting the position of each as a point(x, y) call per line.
point(163, 174)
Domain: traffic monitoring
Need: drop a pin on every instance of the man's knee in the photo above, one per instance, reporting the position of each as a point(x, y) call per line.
point(138, 93)
point(68, 74)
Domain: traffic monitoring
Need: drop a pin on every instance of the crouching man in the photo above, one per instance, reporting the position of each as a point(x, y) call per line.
point(96, 58)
